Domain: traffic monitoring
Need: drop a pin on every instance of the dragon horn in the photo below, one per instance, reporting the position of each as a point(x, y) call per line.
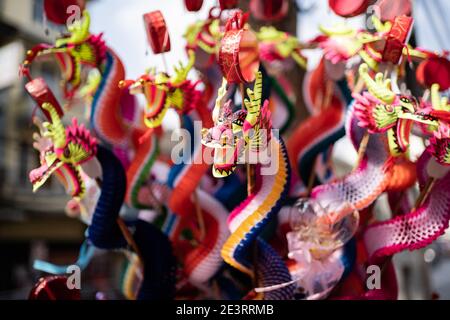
point(437, 102)
point(444, 104)
point(83, 33)
point(59, 133)
point(253, 106)
point(380, 26)
point(221, 94)
point(79, 31)
point(191, 60)
point(377, 87)
point(151, 71)
point(181, 73)
point(435, 98)
point(336, 30)
point(85, 24)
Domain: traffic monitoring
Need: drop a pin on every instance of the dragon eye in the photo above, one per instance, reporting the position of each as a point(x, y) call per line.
point(66, 152)
point(405, 100)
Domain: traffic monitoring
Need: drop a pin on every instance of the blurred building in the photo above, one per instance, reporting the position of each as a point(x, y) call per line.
point(32, 225)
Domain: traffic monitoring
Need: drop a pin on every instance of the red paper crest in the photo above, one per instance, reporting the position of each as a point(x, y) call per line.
point(193, 5)
point(157, 33)
point(269, 10)
point(228, 4)
point(348, 8)
point(397, 38)
point(434, 70)
point(56, 10)
point(41, 93)
point(239, 53)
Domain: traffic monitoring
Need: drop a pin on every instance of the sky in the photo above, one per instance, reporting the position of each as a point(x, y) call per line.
point(123, 27)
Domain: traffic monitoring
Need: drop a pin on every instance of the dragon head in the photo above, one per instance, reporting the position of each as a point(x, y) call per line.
point(339, 43)
point(163, 92)
point(203, 37)
point(381, 110)
point(235, 133)
point(76, 49)
point(275, 45)
point(342, 42)
point(62, 151)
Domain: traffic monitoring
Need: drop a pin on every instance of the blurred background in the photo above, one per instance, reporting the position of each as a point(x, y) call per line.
point(35, 226)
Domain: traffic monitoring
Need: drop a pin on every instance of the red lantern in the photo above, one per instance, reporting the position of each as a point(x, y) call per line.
point(348, 8)
point(193, 5)
point(53, 288)
point(434, 70)
point(397, 38)
point(56, 10)
point(239, 53)
point(389, 9)
point(228, 4)
point(269, 10)
point(157, 33)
